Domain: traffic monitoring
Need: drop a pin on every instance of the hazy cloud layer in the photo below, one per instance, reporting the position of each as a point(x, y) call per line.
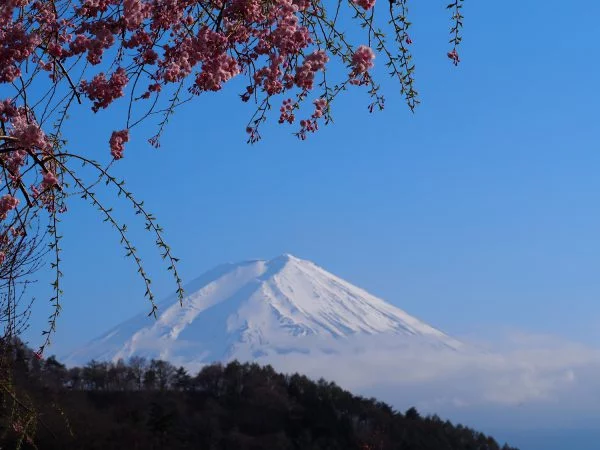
point(525, 374)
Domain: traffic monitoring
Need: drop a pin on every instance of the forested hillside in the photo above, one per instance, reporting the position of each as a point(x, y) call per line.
point(154, 405)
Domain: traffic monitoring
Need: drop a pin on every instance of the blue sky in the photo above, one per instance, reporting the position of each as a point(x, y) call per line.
point(478, 212)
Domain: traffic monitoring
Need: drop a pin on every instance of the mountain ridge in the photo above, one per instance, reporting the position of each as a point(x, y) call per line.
point(253, 308)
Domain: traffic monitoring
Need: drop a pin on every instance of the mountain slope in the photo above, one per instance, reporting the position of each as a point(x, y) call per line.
point(256, 308)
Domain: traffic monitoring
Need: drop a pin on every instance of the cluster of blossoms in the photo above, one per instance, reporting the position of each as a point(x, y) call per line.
point(133, 45)
point(365, 4)
point(102, 91)
point(362, 61)
point(95, 52)
point(305, 73)
point(117, 143)
point(453, 55)
point(22, 141)
point(311, 124)
point(286, 111)
point(165, 42)
point(7, 204)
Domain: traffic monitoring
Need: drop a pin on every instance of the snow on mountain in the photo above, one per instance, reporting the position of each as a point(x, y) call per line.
point(257, 308)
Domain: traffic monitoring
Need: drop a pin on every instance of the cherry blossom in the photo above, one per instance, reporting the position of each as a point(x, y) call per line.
point(365, 4)
point(453, 55)
point(117, 143)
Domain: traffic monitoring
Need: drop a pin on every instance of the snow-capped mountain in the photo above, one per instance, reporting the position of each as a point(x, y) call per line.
point(258, 308)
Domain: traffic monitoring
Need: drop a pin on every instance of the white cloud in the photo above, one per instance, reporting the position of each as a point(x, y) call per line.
point(521, 373)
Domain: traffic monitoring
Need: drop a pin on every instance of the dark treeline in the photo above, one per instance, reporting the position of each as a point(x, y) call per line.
point(154, 405)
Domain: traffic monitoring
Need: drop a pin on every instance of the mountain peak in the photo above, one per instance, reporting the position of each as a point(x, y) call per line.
point(288, 257)
point(255, 308)
point(284, 258)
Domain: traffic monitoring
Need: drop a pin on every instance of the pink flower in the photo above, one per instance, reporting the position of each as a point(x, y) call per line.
point(362, 61)
point(117, 143)
point(49, 180)
point(320, 105)
point(215, 72)
point(102, 91)
point(365, 4)
point(134, 12)
point(16, 46)
point(305, 74)
point(453, 55)
point(7, 204)
point(28, 132)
